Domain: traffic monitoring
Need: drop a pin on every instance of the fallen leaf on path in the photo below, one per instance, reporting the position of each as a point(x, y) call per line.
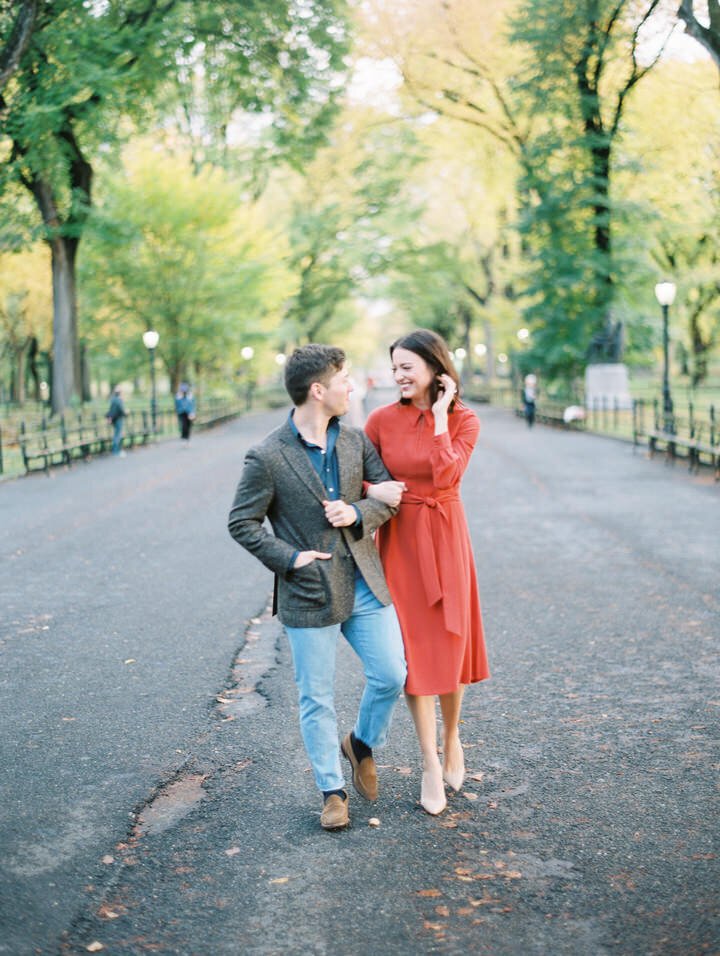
point(442, 910)
point(435, 926)
point(448, 824)
point(403, 770)
point(429, 893)
point(233, 850)
point(95, 947)
point(373, 822)
point(477, 776)
point(470, 796)
point(105, 913)
point(130, 660)
point(107, 859)
point(281, 879)
point(493, 804)
point(513, 875)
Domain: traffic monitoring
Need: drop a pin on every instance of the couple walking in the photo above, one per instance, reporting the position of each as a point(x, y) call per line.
point(407, 593)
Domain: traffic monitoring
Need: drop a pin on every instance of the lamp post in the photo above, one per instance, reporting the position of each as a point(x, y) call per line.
point(247, 352)
point(665, 294)
point(150, 341)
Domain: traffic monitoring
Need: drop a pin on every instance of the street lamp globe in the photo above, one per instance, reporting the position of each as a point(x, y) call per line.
point(150, 339)
point(280, 358)
point(523, 334)
point(460, 354)
point(665, 292)
point(247, 351)
point(480, 349)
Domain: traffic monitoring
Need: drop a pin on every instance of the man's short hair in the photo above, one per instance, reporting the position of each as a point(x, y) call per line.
point(308, 364)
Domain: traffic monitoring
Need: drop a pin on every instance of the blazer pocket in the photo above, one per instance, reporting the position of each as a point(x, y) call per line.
point(306, 586)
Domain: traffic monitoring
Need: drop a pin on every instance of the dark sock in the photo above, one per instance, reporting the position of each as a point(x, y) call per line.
point(360, 749)
point(329, 793)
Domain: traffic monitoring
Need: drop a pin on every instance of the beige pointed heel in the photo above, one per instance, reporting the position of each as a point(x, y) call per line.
point(455, 779)
point(432, 800)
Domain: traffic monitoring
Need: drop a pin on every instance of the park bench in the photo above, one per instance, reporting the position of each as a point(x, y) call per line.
point(694, 437)
point(46, 445)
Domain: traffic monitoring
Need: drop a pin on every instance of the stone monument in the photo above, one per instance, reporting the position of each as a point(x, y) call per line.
point(606, 376)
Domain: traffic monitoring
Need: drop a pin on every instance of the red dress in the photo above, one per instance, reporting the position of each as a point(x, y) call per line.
point(426, 550)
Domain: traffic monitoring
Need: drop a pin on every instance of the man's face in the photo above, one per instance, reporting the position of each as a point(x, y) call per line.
point(336, 398)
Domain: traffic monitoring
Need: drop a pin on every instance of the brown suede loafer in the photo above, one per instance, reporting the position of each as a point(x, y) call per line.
point(364, 775)
point(334, 814)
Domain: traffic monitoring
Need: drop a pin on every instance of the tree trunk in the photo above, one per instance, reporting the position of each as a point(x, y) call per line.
point(20, 354)
point(66, 354)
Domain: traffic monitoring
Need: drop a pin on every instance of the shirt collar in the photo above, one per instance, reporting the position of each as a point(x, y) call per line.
point(332, 432)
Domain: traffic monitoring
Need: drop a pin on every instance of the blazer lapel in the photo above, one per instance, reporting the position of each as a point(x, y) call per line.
point(296, 456)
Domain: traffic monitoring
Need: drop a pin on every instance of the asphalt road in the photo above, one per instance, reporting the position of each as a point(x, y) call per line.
point(155, 796)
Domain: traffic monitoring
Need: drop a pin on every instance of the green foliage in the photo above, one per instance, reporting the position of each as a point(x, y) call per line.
point(581, 66)
point(350, 221)
point(172, 251)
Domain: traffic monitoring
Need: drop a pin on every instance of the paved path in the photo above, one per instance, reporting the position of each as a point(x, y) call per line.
point(155, 795)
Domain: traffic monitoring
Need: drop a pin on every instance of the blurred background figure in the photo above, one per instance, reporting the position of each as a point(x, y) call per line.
point(529, 392)
point(356, 413)
point(185, 408)
point(116, 415)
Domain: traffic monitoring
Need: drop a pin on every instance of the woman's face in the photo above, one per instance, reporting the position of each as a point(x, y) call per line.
point(413, 375)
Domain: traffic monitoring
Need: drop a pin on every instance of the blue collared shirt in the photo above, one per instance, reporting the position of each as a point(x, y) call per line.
point(324, 460)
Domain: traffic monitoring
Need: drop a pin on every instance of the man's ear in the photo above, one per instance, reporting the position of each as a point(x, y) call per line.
point(317, 390)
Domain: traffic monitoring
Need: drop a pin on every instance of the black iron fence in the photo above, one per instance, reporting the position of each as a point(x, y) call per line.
point(32, 440)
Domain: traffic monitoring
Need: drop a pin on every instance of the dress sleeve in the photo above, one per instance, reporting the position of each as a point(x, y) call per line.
point(449, 456)
point(372, 430)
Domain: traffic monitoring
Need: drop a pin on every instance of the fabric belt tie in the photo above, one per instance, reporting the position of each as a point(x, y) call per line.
point(434, 537)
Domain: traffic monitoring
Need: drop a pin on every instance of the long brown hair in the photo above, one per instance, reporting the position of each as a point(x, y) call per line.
point(433, 349)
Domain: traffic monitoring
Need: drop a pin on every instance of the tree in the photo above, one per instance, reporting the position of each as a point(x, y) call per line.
point(350, 220)
point(175, 251)
point(583, 63)
point(88, 67)
point(25, 315)
point(707, 35)
point(16, 22)
point(674, 180)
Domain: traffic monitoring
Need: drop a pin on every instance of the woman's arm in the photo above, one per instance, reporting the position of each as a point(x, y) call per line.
point(449, 457)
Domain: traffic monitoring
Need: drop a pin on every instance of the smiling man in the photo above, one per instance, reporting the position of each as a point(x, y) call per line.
point(307, 478)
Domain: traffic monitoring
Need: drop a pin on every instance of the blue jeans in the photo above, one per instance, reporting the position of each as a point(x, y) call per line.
point(117, 435)
point(373, 632)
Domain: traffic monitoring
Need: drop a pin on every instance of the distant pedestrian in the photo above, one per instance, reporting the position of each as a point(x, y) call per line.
point(307, 478)
point(185, 408)
point(116, 414)
point(528, 395)
point(426, 440)
point(356, 413)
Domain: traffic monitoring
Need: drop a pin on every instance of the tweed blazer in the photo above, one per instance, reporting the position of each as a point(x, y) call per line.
point(279, 483)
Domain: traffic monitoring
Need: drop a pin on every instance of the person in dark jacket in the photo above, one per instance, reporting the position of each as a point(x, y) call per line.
point(185, 408)
point(307, 478)
point(116, 415)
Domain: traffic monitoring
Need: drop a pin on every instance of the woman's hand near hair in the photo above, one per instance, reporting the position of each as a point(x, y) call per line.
point(440, 407)
point(389, 492)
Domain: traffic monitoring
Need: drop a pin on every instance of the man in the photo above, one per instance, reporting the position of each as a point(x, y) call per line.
point(116, 415)
point(307, 478)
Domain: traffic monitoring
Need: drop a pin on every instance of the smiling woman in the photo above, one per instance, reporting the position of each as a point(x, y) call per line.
point(426, 440)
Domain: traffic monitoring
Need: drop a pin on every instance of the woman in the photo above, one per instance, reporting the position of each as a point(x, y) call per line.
point(426, 440)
